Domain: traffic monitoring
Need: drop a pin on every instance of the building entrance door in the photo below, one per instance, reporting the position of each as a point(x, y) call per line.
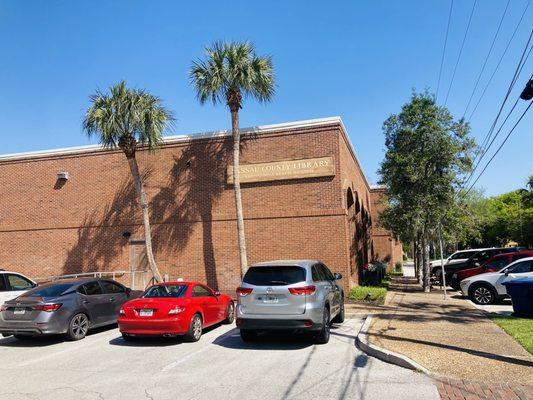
point(138, 265)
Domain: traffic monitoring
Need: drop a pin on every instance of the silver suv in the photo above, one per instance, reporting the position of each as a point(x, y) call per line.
point(296, 295)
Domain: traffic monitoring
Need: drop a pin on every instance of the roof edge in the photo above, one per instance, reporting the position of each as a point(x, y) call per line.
point(177, 138)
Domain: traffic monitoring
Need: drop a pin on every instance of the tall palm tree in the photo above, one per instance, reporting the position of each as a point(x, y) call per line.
point(231, 72)
point(129, 119)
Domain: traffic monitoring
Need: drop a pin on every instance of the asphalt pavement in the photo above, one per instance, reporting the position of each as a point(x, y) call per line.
point(220, 366)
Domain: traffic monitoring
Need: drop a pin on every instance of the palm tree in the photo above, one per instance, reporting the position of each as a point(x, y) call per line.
point(129, 119)
point(231, 72)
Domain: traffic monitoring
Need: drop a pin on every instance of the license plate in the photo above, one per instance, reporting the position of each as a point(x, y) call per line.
point(270, 299)
point(19, 311)
point(146, 313)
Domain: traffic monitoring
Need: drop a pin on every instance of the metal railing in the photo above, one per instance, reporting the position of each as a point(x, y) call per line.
point(136, 280)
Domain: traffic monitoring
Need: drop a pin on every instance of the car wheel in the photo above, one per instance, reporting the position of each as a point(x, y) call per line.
point(455, 284)
point(482, 293)
point(438, 275)
point(322, 337)
point(339, 318)
point(230, 316)
point(195, 329)
point(248, 335)
point(128, 338)
point(78, 327)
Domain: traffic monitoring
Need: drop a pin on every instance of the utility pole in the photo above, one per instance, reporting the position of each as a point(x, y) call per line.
point(442, 262)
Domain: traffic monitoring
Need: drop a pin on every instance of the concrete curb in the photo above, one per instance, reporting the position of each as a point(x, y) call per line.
point(385, 355)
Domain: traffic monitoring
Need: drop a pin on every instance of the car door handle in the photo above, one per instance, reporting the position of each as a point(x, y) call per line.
point(86, 301)
point(112, 299)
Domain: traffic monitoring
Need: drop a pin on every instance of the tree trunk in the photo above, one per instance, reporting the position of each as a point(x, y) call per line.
point(237, 190)
point(132, 161)
point(425, 262)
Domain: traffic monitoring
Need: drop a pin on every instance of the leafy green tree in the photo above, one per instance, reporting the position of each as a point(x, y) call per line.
point(427, 155)
point(129, 119)
point(230, 73)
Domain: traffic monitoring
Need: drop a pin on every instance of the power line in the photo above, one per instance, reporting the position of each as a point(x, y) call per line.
point(482, 149)
point(487, 57)
point(460, 51)
point(499, 61)
point(444, 50)
point(501, 145)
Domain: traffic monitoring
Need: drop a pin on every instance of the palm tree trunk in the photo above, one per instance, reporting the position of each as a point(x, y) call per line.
point(237, 190)
point(132, 161)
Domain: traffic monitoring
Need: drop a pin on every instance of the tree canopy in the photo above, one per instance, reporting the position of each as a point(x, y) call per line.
point(125, 118)
point(232, 71)
point(427, 156)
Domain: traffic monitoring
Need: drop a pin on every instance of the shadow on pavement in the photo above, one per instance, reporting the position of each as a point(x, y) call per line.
point(155, 341)
point(268, 340)
point(478, 353)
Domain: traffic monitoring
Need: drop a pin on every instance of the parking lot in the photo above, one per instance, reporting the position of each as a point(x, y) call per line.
point(220, 365)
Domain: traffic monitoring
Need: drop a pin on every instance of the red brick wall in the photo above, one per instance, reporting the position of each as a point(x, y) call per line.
point(385, 246)
point(47, 228)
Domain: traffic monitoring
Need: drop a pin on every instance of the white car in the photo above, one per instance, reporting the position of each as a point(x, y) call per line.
point(13, 284)
point(487, 288)
point(457, 257)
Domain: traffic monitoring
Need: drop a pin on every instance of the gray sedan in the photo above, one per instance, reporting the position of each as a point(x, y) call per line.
point(70, 307)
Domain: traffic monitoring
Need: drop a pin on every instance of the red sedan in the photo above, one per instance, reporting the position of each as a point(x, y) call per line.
point(494, 264)
point(175, 309)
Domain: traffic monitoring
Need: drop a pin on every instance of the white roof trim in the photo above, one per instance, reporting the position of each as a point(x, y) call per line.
point(178, 138)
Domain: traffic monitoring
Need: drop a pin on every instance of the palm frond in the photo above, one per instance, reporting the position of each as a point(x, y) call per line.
point(126, 116)
point(230, 68)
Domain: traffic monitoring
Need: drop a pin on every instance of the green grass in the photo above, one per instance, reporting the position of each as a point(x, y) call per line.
point(368, 293)
point(519, 328)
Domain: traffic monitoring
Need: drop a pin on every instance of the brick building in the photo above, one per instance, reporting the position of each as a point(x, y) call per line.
point(304, 196)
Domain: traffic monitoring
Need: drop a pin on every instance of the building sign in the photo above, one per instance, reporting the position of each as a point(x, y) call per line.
point(280, 170)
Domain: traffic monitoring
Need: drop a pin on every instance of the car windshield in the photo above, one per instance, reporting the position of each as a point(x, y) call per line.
point(274, 276)
point(52, 290)
point(165, 291)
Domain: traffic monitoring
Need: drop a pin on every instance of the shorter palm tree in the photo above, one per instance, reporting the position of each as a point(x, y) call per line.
point(231, 72)
point(129, 119)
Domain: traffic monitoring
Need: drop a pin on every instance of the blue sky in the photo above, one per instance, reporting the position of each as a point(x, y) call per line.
point(356, 59)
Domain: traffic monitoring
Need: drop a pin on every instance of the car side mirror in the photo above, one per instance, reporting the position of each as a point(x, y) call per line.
point(506, 272)
point(337, 276)
point(128, 291)
point(217, 293)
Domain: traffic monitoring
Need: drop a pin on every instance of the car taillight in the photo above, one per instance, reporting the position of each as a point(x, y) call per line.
point(299, 291)
point(3, 307)
point(244, 291)
point(48, 307)
point(122, 312)
point(176, 310)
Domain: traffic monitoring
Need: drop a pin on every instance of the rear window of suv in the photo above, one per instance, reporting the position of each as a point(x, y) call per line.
point(274, 276)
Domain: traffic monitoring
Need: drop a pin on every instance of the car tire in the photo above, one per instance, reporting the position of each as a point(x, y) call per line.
point(195, 329)
point(322, 336)
point(128, 338)
point(230, 314)
point(248, 335)
point(78, 327)
point(438, 275)
point(339, 318)
point(455, 284)
point(482, 293)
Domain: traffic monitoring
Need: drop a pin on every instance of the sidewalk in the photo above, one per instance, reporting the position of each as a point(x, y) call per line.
point(453, 340)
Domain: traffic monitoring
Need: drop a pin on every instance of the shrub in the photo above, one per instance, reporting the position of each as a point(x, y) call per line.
point(398, 266)
point(368, 293)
